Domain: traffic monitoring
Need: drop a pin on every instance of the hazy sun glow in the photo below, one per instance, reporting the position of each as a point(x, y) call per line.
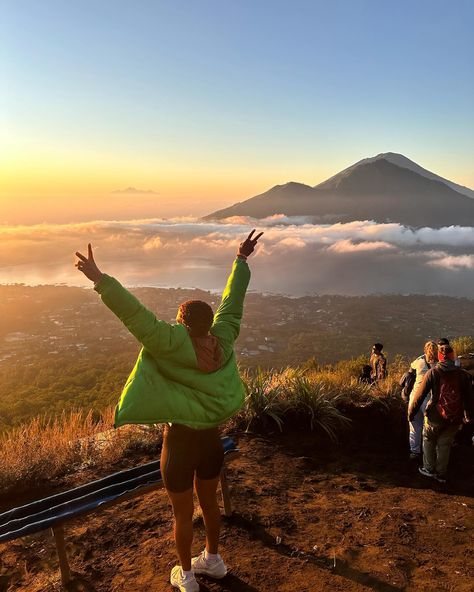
point(214, 103)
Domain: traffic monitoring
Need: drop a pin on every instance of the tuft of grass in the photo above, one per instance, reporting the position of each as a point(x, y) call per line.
point(317, 400)
point(263, 398)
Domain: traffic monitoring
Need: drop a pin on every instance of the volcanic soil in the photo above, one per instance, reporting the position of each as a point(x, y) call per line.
point(307, 517)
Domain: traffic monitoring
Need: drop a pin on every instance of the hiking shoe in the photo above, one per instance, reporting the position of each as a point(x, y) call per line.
point(216, 568)
point(426, 473)
point(184, 583)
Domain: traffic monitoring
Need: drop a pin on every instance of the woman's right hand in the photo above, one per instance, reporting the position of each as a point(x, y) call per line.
point(88, 266)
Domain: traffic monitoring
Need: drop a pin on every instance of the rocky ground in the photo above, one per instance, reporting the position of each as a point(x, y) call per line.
point(307, 517)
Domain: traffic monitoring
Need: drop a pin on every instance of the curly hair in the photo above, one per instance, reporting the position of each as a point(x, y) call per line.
point(431, 351)
point(197, 316)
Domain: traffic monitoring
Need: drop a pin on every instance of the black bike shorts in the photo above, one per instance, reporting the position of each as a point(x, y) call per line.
point(187, 453)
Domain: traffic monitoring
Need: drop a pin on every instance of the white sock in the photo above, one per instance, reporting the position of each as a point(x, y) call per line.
point(210, 556)
point(187, 574)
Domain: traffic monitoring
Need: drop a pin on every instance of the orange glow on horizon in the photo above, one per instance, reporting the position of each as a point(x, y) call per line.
point(72, 187)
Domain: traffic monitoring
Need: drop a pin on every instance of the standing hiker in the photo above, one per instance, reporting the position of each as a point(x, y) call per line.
point(420, 366)
point(450, 402)
point(185, 376)
point(378, 363)
point(445, 341)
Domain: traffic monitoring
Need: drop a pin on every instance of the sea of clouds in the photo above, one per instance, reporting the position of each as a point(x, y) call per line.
point(293, 257)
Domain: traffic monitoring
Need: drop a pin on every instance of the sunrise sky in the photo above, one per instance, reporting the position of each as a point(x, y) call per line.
point(200, 104)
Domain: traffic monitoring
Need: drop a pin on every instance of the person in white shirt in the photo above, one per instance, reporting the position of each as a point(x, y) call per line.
point(421, 366)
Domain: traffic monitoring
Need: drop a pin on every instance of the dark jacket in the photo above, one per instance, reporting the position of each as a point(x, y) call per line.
point(431, 383)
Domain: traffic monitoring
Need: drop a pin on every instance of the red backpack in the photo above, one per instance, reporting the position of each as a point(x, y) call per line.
point(450, 403)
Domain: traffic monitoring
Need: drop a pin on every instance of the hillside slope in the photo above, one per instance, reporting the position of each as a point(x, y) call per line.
point(352, 521)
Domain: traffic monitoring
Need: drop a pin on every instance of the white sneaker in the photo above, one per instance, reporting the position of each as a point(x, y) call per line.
point(426, 473)
point(183, 583)
point(216, 568)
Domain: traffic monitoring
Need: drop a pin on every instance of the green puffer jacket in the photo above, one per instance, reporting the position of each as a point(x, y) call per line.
point(166, 385)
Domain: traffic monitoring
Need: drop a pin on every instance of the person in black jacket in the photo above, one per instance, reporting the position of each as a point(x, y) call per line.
point(450, 403)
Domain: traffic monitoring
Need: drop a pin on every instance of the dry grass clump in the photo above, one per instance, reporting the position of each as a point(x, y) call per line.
point(316, 395)
point(463, 345)
point(46, 448)
point(311, 397)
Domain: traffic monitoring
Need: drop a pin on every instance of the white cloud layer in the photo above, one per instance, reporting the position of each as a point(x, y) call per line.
point(347, 246)
point(453, 262)
point(293, 257)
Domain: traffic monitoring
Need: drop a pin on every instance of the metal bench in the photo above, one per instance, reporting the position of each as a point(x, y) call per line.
point(54, 511)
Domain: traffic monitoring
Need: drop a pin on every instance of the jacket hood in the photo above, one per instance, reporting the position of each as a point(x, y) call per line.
point(208, 353)
point(446, 366)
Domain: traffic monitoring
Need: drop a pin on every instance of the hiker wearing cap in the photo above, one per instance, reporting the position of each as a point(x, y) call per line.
point(449, 404)
point(445, 341)
point(420, 366)
point(378, 363)
point(186, 376)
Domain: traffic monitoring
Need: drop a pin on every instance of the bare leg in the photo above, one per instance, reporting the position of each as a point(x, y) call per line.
point(183, 525)
point(206, 490)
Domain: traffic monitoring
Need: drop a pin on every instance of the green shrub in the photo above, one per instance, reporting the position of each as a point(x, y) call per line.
point(316, 400)
point(263, 397)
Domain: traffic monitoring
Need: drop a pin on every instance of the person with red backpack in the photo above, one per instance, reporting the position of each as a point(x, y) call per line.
point(450, 403)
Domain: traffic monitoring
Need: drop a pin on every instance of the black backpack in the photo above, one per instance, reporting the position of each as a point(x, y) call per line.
point(407, 382)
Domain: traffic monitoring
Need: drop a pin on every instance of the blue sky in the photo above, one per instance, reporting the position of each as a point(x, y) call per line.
point(231, 98)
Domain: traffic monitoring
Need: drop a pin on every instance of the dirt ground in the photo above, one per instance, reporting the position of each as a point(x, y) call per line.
point(306, 517)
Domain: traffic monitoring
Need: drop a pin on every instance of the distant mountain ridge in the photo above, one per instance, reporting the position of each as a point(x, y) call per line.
point(406, 163)
point(386, 188)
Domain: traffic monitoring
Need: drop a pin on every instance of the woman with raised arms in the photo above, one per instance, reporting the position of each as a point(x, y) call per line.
point(186, 376)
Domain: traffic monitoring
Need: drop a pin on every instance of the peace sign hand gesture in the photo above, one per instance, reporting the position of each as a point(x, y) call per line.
point(248, 246)
point(88, 266)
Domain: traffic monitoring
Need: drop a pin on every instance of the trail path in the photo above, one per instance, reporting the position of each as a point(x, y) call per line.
point(306, 519)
